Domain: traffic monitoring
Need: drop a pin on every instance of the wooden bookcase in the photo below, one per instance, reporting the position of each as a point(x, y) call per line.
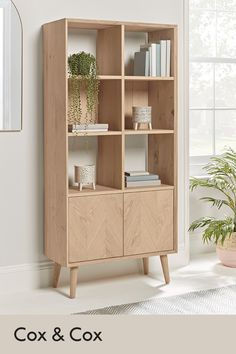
point(111, 222)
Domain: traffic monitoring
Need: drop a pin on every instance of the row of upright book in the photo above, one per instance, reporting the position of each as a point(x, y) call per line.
point(141, 179)
point(153, 59)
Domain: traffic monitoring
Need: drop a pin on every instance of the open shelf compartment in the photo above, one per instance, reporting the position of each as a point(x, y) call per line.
point(104, 42)
point(152, 153)
point(109, 109)
point(134, 36)
point(157, 94)
point(103, 151)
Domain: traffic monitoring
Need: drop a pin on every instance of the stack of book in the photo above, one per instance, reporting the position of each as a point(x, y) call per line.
point(153, 59)
point(141, 179)
point(77, 128)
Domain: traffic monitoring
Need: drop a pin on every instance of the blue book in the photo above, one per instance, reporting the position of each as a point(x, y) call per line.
point(150, 177)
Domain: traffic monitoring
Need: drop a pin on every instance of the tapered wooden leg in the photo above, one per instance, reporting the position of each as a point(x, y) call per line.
point(135, 126)
point(146, 265)
point(73, 281)
point(56, 274)
point(165, 268)
point(150, 126)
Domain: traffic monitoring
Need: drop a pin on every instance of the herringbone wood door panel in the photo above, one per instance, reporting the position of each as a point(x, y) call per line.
point(95, 227)
point(148, 222)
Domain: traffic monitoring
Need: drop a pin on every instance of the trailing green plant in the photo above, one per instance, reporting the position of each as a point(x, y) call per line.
point(83, 72)
point(222, 179)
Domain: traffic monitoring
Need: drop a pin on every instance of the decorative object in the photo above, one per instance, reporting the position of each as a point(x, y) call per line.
point(142, 115)
point(222, 179)
point(83, 76)
point(226, 252)
point(219, 301)
point(85, 175)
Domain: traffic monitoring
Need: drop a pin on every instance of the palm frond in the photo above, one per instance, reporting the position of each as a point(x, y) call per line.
point(218, 230)
point(202, 222)
point(222, 178)
point(216, 202)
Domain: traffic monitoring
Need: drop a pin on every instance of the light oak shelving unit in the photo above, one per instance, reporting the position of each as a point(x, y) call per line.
point(111, 222)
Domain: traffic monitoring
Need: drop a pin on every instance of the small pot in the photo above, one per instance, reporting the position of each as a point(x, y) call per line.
point(85, 175)
point(227, 252)
point(142, 115)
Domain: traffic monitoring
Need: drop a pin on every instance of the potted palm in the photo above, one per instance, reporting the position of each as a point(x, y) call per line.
point(222, 179)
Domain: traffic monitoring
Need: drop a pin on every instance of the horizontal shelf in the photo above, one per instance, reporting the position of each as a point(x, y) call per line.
point(149, 78)
point(90, 133)
point(102, 77)
point(133, 78)
point(148, 131)
point(75, 192)
point(149, 188)
point(129, 26)
point(127, 132)
point(109, 77)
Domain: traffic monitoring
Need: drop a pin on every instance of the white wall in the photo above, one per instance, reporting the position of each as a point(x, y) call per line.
point(21, 154)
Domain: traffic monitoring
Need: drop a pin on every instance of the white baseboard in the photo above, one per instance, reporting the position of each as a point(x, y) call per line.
point(27, 277)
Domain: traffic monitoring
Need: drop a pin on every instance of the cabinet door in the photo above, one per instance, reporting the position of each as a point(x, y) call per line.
point(95, 227)
point(148, 223)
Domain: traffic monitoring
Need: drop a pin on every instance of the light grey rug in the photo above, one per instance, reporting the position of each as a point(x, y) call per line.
point(213, 301)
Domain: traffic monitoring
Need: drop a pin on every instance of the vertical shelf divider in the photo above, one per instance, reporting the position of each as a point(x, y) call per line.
point(123, 103)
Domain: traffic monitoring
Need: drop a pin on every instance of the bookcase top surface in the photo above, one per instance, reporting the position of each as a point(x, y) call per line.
point(102, 24)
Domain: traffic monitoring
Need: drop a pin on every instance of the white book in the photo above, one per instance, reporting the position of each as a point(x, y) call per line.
point(147, 64)
point(137, 173)
point(90, 126)
point(150, 60)
point(158, 60)
point(89, 130)
point(168, 48)
point(143, 183)
point(154, 59)
point(163, 57)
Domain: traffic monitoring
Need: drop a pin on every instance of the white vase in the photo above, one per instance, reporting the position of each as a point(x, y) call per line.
point(85, 175)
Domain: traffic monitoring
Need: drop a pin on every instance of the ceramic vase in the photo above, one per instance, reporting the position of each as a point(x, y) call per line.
point(85, 175)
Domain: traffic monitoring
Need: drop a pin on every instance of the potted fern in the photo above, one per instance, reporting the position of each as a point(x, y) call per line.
point(222, 179)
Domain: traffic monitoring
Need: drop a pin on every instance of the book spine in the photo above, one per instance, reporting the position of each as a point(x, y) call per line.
point(163, 57)
point(158, 69)
point(90, 126)
point(137, 173)
point(168, 48)
point(142, 178)
point(150, 60)
point(147, 62)
point(143, 183)
point(89, 130)
point(154, 58)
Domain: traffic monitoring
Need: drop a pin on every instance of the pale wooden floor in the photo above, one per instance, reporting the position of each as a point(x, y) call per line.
point(204, 272)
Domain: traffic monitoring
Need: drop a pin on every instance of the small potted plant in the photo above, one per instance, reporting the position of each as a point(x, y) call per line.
point(83, 77)
point(222, 179)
